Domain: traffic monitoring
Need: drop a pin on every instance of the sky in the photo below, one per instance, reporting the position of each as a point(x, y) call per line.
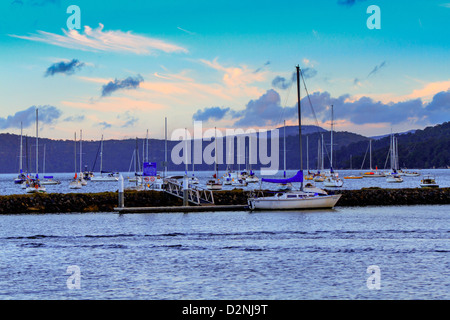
point(118, 68)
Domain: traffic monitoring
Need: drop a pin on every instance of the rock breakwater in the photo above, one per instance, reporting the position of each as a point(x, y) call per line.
point(107, 201)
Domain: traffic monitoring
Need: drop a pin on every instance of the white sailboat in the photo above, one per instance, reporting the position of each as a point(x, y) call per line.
point(48, 180)
point(301, 199)
point(104, 176)
point(81, 176)
point(33, 185)
point(393, 176)
point(137, 177)
point(193, 179)
point(75, 183)
point(332, 179)
point(371, 173)
point(319, 176)
point(284, 186)
point(215, 184)
point(21, 176)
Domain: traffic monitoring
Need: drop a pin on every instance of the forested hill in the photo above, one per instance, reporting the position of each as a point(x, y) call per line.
point(428, 148)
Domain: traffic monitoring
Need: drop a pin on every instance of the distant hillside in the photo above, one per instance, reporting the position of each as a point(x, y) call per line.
point(387, 135)
point(293, 130)
point(117, 154)
point(426, 148)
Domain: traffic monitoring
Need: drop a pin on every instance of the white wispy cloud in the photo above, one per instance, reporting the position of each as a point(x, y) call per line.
point(187, 31)
point(100, 40)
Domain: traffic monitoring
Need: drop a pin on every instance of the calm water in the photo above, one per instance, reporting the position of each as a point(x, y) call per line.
point(229, 255)
point(442, 176)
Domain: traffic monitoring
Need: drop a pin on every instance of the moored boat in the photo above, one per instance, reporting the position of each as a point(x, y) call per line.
point(353, 177)
point(428, 181)
point(291, 200)
point(33, 185)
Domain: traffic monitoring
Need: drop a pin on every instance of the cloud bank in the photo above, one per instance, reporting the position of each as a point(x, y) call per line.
point(47, 115)
point(267, 111)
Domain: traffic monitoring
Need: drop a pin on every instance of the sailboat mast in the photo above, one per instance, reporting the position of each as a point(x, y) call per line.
point(391, 151)
point(101, 156)
point(37, 145)
point(370, 153)
point(81, 151)
point(146, 147)
point(300, 124)
point(136, 161)
point(75, 151)
point(322, 155)
point(318, 154)
point(165, 147)
point(307, 153)
point(43, 161)
point(284, 145)
point(186, 151)
point(21, 151)
point(331, 159)
point(26, 154)
point(396, 153)
point(215, 154)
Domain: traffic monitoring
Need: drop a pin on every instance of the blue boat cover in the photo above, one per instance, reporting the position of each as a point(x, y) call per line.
point(149, 169)
point(297, 178)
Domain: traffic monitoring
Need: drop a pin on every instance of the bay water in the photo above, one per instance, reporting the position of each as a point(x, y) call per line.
point(322, 254)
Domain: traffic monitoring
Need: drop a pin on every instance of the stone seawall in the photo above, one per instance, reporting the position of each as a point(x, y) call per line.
point(107, 201)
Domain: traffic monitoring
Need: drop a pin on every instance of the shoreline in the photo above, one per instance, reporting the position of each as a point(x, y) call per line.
point(156, 201)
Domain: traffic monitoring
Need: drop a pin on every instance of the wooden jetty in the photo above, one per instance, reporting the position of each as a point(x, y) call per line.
point(205, 208)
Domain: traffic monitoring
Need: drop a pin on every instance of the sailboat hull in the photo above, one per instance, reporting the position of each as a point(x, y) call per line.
point(50, 182)
point(305, 203)
point(374, 175)
point(104, 179)
point(333, 183)
point(35, 190)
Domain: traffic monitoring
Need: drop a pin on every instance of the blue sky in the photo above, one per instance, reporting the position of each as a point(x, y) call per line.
point(134, 62)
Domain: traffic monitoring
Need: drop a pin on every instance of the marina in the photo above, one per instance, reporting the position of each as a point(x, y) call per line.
point(105, 198)
point(442, 177)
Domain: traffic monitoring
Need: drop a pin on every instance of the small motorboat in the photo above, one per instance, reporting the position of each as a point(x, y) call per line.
point(214, 185)
point(411, 174)
point(428, 181)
